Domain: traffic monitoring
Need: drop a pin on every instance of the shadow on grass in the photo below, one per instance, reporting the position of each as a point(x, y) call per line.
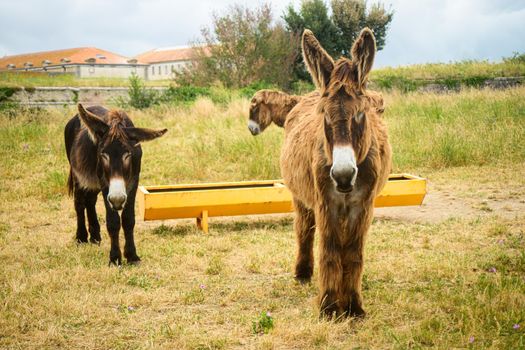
point(224, 227)
point(267, 224)
point(173, 231)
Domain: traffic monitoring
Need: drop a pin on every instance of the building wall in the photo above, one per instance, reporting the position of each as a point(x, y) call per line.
point(94, 71)
point(110, 71)
point(164, 70)
point(154, 71)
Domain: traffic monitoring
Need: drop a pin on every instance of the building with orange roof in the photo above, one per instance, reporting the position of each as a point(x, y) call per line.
point(92, 62)
point(164, 61)
point(83, 62)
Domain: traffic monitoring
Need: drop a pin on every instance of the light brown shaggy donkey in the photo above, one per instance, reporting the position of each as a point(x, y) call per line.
point(335, 160)
point(269, 106)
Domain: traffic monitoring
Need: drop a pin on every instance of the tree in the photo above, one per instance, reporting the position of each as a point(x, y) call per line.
point(313, 14)
point(338, 32)
point(350, 16)
point(243, 47)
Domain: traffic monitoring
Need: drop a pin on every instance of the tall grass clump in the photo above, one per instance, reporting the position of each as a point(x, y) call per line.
point(474, 127)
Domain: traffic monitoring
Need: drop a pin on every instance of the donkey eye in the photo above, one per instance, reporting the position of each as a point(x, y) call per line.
point(126, 156)
point(105, 156)
point(359, 117)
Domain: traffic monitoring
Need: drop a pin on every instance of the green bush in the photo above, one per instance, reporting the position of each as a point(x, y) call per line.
point(139, 96)
point(251, 89)
point(301, 87)
point(6, 104)
point(184, 94)
point(389, 82)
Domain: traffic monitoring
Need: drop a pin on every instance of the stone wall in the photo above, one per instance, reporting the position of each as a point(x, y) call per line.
point(49, 96)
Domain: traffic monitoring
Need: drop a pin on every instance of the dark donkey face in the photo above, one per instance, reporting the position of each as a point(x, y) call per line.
point(343, 104)
point(259, 114)
point(118, 152)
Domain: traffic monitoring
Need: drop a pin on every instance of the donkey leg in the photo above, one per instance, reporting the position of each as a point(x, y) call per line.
point(128, 224)
point(94, 226)
point(113, 226)
point(80, 206)
point(352, 277)
point(353, 263)
point(304, 225)
point(330, 264)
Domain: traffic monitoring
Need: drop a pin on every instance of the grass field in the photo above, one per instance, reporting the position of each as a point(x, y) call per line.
point(457, 281)
point(464, 69)
point(34, 79)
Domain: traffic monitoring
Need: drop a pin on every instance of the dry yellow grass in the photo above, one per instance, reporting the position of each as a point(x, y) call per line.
point(449, 283)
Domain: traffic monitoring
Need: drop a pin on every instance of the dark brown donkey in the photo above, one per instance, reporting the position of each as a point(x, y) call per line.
point(335, 160)
point(269, 106)
point(104, 155)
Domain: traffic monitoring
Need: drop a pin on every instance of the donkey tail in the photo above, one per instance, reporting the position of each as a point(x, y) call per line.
point(70, 183)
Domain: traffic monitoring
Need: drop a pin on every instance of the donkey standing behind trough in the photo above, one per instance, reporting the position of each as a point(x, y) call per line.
point(104, 153)
point(335, 160)
point(269, 106)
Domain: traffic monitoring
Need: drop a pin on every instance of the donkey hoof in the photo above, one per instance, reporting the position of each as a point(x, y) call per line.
point(95, 240)
point(134, 261)
point(81, 240)
point(329, 307)
point(303, 273)
point(357, 312)
point(115, 261)
point(329, 313)
point(303, 279)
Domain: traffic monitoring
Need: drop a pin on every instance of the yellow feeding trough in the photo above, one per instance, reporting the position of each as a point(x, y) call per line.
point(201, 201)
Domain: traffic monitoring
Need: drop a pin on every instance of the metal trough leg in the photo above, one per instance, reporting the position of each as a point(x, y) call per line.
point(202, 221)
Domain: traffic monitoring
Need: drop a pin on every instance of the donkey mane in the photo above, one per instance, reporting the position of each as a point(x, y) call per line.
point(116, 121)
point(281, 103)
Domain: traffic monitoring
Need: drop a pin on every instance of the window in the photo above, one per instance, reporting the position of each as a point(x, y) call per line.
point(152, 70)
point(160, 71)
point(166, 69)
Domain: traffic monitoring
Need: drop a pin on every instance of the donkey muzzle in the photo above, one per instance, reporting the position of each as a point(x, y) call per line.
point(344, 179)
point(344, 169)
point(117, 195)
point(254, 127)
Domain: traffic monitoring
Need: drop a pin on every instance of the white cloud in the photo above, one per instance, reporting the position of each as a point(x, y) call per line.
point(442, 31)
point(422, 31)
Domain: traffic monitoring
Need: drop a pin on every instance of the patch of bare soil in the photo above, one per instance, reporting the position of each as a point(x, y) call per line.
point(444, 203)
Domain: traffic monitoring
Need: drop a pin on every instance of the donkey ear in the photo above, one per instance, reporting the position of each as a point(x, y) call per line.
point(363, 53)
point(96, 127)
point(143, 134)
point(317, 60)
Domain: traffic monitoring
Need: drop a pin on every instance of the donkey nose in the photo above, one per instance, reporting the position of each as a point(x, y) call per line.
point(344, 178)
point(117, 200)
point(254, 129)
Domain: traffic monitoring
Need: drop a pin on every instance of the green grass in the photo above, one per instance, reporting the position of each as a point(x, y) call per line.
point(463, 69)
point(426, 284)
point(453, 74)
point(35, 79)
point(471, 128)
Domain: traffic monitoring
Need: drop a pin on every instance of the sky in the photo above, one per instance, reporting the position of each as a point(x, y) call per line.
point(421, 31)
